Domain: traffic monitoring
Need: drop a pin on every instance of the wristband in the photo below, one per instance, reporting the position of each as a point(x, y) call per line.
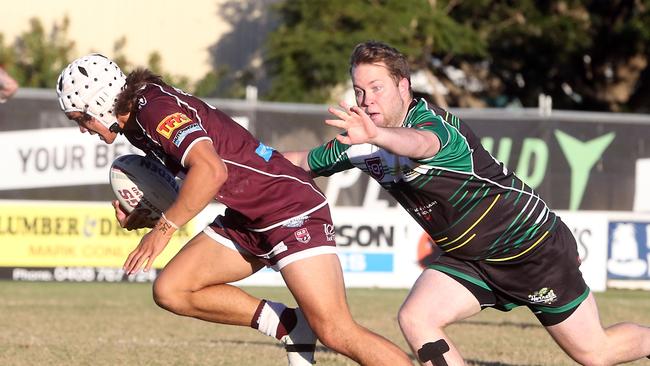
point(171, 223)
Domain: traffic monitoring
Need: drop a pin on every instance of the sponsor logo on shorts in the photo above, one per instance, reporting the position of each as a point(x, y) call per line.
point(170, 123)
point(296, 221)
point(330, 233)
point(425, 210)
point(302, 236)
point(375, 168)
point(183, 132)
point(544, 296)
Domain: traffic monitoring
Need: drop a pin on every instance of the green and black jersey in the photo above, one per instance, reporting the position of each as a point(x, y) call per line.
point(467, 201)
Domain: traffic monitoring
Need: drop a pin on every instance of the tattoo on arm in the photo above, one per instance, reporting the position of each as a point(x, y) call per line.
point(164, 227)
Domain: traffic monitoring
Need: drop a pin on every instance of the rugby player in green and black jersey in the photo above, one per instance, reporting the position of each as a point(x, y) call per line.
point(502, 246)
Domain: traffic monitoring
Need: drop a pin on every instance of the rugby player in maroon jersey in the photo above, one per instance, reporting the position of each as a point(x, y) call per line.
point(276, 216)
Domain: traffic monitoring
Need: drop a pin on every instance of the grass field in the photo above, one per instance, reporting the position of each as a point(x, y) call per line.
point(118, 324)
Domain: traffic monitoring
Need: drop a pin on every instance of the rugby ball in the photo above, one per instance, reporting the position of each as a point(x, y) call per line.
point(144, 184)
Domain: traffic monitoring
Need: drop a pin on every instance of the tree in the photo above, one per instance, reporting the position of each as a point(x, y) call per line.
point(586, 54)
point(36, 58)
point(307, 54)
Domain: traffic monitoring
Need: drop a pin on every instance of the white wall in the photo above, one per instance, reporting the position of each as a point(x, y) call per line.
point(181, 31)
point(642, 182)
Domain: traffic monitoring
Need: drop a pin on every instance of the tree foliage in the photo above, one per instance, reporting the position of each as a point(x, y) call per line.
point(586, 54)
point(308, 53)
point(37, 57)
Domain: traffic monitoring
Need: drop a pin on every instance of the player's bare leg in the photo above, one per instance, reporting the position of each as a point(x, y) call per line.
point(318, 287)
point(582, 337)
point(194, 283)
point(427, 311)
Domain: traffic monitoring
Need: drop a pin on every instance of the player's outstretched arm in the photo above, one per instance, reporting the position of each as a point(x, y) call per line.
point(409, 142)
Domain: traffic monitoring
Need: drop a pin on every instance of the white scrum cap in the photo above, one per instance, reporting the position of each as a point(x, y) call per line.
point(90, 84)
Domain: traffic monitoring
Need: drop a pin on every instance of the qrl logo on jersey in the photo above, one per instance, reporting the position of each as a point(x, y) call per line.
point(375, 168)
point(302, 236)
point(171, 123)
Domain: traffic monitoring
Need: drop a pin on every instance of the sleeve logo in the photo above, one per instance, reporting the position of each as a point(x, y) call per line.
point(375, 168)
point(170, 123)
point(264, 152)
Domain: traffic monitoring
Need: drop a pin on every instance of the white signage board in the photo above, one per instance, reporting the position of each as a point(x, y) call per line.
point(55, 157)
point(590, 232)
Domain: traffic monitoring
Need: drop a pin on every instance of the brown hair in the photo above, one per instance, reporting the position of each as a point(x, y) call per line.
point(126, 100)
point(370, 52)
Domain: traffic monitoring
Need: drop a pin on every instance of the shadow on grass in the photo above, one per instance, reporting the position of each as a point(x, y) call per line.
point(322, 349)
point(501, 324)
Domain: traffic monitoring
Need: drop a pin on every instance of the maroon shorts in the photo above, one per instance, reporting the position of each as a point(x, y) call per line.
point(286, 242)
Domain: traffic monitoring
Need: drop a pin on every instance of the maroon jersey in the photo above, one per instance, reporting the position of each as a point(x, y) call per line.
point(266, 189)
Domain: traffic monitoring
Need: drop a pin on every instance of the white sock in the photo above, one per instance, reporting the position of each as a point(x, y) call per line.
point(270, 318)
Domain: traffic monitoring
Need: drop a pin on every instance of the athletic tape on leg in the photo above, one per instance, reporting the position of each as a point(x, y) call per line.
point(300, 347)
point(434, 352)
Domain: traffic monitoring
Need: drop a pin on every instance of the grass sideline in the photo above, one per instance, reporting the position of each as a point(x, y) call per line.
point(118, 323)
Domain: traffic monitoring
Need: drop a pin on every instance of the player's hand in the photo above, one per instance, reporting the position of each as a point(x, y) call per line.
point(151, 245)
point(137, 219)
point(360, 128)
point(120, 213)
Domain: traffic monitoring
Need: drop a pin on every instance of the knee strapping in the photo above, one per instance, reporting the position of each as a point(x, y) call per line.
point(434, 352)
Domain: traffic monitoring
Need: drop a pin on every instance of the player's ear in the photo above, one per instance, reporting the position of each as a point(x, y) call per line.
point(404, 86)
